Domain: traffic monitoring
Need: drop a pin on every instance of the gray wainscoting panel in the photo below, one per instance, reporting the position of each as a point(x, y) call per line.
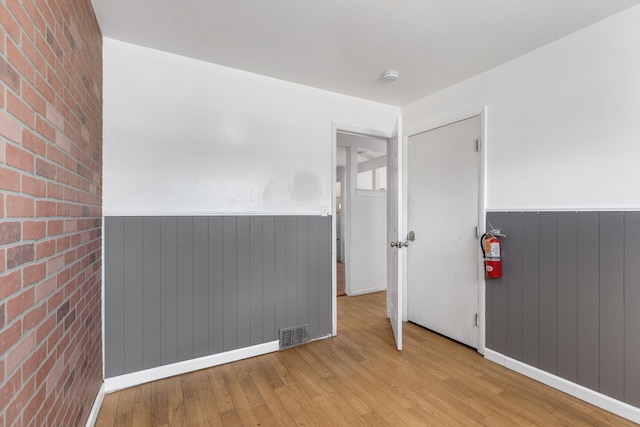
point(255, 279)
point(168, 290)
point(569, 300)
point(200, 286)
point(185, 288)
point(177, 288)
point(324, 301)
point(589, 299)
point(632, 307)
point(230, 283)
point(268, 279)
point(151, 291)
point(216, 284)
point(243, 282)
point(133, 331)
point(548, 303)
point(114, 297)
point(514, 296)
point(612, 304)
point(530, 288)
point(567, 296)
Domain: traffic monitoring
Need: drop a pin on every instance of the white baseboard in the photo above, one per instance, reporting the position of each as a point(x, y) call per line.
point(576, 390)
point(166, 371)
point(357, 292)
point(95, 409)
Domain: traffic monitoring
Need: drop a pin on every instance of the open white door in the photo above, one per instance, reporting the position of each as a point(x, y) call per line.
point(394, 228)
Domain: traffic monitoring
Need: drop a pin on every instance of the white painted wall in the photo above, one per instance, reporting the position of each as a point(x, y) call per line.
point(183, 136)
point(563, 122)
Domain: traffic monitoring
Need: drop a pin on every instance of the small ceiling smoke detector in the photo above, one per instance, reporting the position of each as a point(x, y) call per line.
point(390, 76)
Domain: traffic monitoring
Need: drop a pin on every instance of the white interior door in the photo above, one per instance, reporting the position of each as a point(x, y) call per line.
point(394, 228)
point(442, 262)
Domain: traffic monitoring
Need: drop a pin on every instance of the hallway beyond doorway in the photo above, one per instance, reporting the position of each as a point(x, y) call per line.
point(340, 275)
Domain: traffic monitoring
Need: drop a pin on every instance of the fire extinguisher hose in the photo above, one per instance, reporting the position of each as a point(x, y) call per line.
point(482, 238)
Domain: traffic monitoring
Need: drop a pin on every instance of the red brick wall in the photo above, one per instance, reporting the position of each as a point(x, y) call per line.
point(50, 211)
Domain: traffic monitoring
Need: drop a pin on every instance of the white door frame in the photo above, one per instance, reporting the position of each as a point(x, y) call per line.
point(356, 130)
point(481, 112)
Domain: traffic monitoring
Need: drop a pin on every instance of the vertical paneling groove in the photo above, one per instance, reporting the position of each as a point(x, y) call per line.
point(513, 270)
point(257, 298)
point(500, 289)
point(280, 272)
point(588, 300)
point(114, 296)
point(548, 277)
point(632, 308)
point(216, 284)
point(133, 294)
point(169, 289)
point(324, 276)
point(303, 270)
point(243, 298)
point(200, 286)
point(530, 289)
point(229, 280)
point(183, 287)
point(292, 270)
point(268, 279)
point(612, 304)
point(313, 275)
point(151, 334)
point(568, 295)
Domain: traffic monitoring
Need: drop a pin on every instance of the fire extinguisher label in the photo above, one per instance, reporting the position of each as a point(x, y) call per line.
point(494, 250)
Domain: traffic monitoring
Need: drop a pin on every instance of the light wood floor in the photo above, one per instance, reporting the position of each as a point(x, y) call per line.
point(356, 378)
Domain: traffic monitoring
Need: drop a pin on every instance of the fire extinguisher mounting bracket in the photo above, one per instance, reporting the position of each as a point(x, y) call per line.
point(497, 232)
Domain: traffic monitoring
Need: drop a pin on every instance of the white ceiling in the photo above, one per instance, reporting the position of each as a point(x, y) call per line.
point(345, 45)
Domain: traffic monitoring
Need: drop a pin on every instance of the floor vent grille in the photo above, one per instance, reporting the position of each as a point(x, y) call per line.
point(291, 337)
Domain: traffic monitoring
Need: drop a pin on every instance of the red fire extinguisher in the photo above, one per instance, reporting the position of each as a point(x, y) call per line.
point(492, 252)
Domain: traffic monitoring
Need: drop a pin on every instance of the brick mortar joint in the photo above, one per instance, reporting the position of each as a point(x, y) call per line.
point(52, 313)
point(48, 276)
point(53, 163)
point(65, 367)
point(59, 97)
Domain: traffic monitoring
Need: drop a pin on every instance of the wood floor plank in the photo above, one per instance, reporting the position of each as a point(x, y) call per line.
point(356, 378)
point(176, 411)
point(108, 410)
point(158, 403)
point(207, 397)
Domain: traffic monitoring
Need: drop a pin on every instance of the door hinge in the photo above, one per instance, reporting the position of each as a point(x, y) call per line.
point(478, 144)
point(477, 231)
point(476, 319)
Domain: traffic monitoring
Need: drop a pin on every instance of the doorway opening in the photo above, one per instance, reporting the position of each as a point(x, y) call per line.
point(361, 214)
